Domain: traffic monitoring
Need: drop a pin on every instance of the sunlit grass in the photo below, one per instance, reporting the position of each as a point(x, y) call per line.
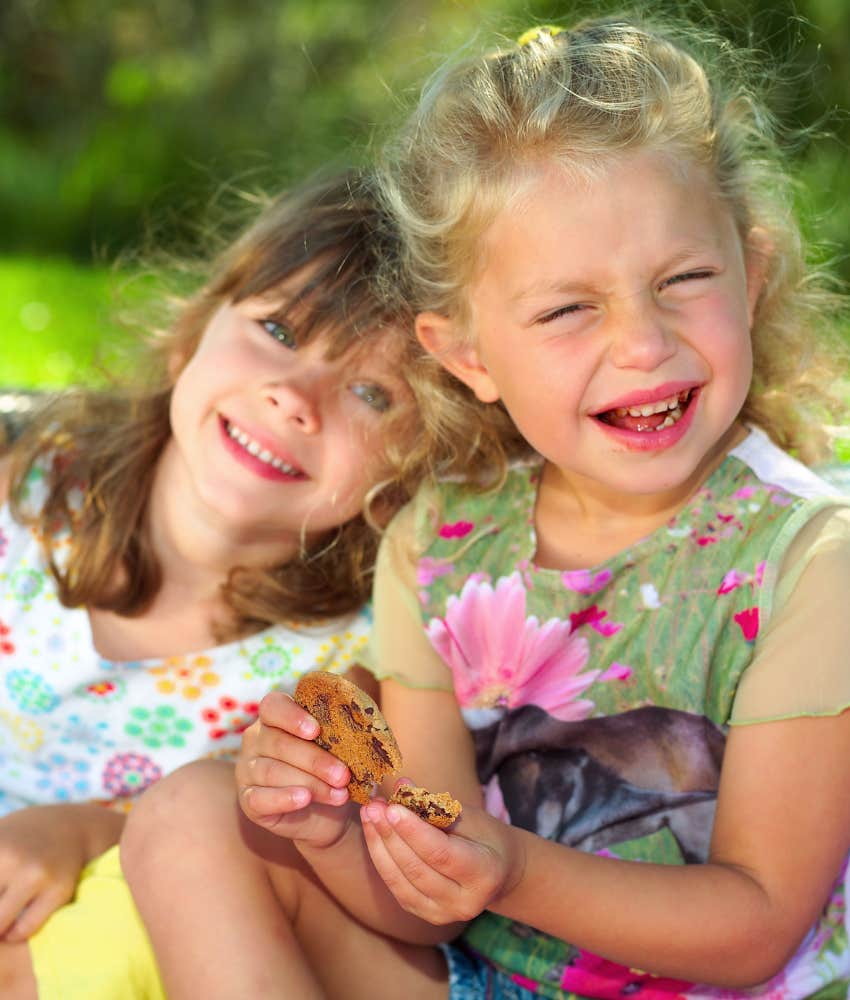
point(55, 318)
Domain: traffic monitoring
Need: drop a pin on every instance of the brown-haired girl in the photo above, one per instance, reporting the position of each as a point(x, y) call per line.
point(170, 553)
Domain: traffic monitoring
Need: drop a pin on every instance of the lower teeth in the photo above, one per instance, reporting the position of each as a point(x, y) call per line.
point(671, 418)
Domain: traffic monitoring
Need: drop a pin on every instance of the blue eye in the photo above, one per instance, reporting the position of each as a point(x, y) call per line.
point(282, 334)
point(373, 395)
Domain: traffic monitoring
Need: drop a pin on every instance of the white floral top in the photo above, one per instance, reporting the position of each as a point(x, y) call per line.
point(75, 727)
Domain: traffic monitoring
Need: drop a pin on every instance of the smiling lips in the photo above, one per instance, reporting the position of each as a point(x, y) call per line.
point(648, 417)
point(261, 454)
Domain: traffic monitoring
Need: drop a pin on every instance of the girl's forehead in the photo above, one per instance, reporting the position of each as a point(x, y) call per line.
point(625, 183)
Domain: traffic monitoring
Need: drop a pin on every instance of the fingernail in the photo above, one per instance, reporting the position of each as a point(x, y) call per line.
point(337, 773)
point(300, 797)
point(338, 795)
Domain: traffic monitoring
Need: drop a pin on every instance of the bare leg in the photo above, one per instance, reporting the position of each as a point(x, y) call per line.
point(17, 981)
point(226, 921)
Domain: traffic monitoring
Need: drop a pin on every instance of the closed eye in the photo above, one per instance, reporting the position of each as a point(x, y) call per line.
point(563, 311)
point(678, 279)
point(282, 334)
point(373, 395)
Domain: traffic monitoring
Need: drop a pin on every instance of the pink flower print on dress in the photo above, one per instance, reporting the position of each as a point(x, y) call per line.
point(593, 976)
point(428, 570)
point(584, 581)
point(499, 656)
point(460, 529)
point(617, 672)
point(594, 617)
point(780, 498)
point(745, 493)
point(735, 578)
point(749, 622)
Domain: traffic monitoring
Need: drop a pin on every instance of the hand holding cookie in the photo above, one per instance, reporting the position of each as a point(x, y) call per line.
point(353, 729)
point(280, 771)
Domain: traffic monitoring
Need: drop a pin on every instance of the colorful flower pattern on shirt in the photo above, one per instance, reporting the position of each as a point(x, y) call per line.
point(581, 687)
point(75, 726)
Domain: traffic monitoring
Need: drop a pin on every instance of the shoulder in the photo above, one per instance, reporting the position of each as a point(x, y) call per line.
point(773, 466)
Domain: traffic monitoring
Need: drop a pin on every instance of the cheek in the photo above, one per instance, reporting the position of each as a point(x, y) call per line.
point(359, 458)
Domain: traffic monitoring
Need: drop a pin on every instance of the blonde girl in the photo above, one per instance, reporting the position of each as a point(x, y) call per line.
point(636, 643)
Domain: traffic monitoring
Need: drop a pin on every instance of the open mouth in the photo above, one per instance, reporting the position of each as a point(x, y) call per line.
point(261, 454)
point(648, 417)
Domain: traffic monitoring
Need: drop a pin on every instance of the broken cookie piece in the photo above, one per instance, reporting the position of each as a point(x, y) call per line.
point(437, 808)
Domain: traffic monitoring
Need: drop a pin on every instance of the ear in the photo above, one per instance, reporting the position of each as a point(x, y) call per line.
point(758, 252)
point(440, 337)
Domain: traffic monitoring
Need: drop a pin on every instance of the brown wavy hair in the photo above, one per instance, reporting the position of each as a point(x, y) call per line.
point(581, 95)
point(100, 448)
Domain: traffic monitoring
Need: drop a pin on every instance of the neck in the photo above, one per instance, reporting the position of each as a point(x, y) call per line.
point(196, 551)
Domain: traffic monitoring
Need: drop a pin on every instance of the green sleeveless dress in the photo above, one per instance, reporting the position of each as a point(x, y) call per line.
point(599, 699)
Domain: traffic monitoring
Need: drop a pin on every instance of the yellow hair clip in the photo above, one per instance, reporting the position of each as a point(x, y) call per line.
point(533, 34)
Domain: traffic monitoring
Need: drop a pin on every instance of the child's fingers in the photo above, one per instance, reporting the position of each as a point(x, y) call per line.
point(419, 863)
point(266, 806)
point(273, 741)
point(296, 789)
point(36, 913)
point(14, 900)
point(291, 756)
point(459, 877)
point(395, 877)
point(280, 711)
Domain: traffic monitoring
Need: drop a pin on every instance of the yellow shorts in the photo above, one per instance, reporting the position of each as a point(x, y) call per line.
point(96, 947)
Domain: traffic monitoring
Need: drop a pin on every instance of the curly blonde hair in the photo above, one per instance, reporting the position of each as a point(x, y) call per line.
point(605, 87)
point(333, 241)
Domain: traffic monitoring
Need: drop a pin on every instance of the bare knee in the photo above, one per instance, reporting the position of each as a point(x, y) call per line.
point(174, 814)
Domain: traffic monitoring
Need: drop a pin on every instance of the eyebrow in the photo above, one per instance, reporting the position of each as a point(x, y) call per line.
point(558, 286)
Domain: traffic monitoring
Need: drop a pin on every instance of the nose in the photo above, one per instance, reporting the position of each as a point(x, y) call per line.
point(297, 404)
point(643, 336)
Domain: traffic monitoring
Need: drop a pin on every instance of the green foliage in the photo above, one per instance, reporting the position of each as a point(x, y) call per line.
point(118, 116)
point(114, 111)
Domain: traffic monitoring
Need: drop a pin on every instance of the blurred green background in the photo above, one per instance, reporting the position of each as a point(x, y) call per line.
point(119, 118)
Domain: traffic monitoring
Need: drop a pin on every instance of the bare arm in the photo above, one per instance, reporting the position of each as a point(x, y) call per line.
point(278, 759)
point(782, 831)
point(781, 834)
point(275, 764)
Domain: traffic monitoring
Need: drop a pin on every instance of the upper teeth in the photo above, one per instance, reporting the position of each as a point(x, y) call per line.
point(647, 409)
point(258, 451)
